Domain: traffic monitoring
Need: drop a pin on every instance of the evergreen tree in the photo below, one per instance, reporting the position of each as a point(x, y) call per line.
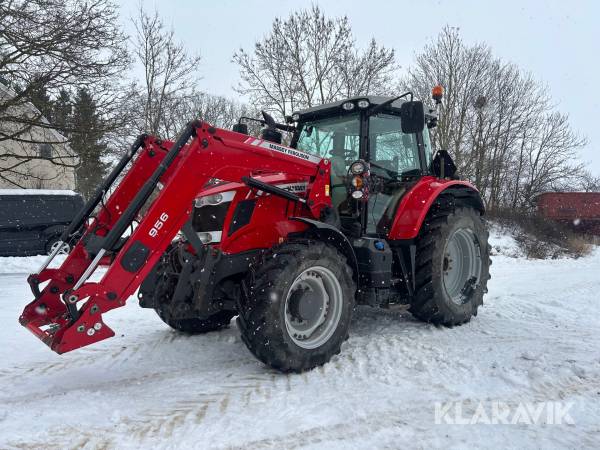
point(61, 113)
point(39, 97)
point(87, 140)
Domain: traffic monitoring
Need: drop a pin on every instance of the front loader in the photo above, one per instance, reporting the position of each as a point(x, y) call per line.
point(288, 238)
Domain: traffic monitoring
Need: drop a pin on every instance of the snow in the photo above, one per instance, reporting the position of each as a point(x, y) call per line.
point(503, 243)
point(18, 264)
point(536, 339)
point(37, 192)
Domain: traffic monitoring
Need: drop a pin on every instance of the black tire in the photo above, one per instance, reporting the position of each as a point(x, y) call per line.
point(433, 302)
point(262, 319)
point(196, 326)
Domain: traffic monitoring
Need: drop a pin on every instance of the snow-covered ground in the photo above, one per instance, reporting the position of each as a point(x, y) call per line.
point(536, 340)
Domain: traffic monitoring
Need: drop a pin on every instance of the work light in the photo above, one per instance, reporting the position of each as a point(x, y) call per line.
point(357, 168)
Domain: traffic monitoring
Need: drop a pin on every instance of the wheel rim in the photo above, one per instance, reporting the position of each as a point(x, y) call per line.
point(64, 247)
point(461, 265)
point(313, 307)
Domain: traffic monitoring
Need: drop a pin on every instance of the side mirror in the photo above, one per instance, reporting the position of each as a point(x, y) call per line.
point(412, 115)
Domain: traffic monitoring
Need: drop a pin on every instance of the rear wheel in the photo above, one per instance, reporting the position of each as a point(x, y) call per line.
point(452, 266)
point(299, 307)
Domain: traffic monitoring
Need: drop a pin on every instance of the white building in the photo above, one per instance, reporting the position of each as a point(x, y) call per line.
point(20, 163)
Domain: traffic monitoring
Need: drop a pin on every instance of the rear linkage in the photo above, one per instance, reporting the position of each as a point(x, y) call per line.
point(54, 315)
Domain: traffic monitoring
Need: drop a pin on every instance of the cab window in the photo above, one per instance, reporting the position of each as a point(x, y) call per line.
point(428, 148)
point(337, 139)
point(392, 152)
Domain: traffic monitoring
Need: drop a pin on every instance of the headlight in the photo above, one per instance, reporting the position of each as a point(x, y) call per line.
point(348, 106)
point(214, 200)
point(357, 168)
point(362, 104)
point(209, 237)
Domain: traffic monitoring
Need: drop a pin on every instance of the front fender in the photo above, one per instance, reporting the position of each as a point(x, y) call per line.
point(415, 204)
point(330, 234)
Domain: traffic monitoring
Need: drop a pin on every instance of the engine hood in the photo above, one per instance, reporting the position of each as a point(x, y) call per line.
point(285, 181)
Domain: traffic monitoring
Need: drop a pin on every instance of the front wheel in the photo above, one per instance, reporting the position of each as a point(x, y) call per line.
point(299, 307)
point(452, 266)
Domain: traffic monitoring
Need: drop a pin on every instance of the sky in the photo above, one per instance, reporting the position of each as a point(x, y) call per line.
point(558, 42)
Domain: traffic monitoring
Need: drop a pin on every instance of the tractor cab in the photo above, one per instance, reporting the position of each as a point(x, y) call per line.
point(378, 148)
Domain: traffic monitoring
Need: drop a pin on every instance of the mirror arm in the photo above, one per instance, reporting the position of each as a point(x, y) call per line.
point(280, 126)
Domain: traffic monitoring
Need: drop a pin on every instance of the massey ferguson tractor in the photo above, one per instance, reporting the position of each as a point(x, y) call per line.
point(353, 209)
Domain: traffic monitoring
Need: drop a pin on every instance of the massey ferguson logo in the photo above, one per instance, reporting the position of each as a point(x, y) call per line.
point(285, 150)
point(288, 151)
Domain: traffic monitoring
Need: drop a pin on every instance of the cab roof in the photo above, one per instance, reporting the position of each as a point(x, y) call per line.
point(328, 109)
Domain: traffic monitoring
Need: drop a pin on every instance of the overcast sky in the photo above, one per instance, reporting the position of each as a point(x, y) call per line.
point(557, 41)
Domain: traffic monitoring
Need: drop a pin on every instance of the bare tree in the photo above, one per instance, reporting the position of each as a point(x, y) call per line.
point(499, 123)
point(589, 182)
point(52, 45)
point(170, 73)
point(216, 110)
point(309, 59)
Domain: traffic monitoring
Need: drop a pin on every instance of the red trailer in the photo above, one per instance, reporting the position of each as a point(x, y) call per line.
point(579, 210)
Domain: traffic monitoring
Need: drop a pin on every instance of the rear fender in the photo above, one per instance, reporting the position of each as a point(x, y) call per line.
point(415, 204)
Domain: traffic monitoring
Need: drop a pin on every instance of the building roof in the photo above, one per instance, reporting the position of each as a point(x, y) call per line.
point(37, 192)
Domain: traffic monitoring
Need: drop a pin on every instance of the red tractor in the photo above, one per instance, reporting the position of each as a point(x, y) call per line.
point(288, 238)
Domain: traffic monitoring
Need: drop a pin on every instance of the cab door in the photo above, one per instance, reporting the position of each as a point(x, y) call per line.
point(395, 160)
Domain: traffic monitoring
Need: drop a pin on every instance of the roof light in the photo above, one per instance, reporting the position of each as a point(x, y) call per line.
point(364, 103)
point(348, 106)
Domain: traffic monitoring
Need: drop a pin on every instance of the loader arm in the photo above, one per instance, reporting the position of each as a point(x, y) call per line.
point(67, 313)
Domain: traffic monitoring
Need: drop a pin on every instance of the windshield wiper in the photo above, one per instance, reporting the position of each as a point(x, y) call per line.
point(381, 106)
